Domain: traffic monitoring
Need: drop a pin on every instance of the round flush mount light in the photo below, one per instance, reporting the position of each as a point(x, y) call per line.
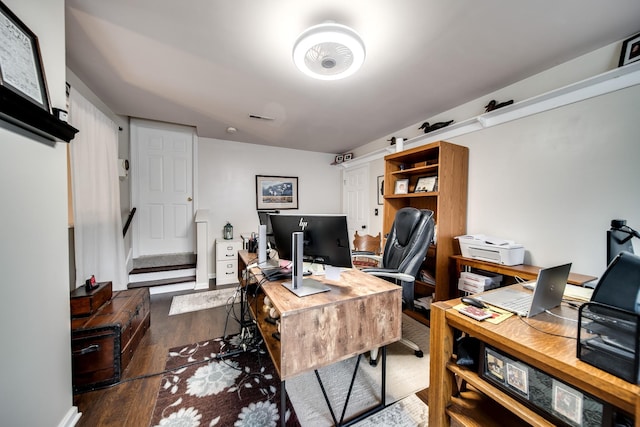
point(329, 51)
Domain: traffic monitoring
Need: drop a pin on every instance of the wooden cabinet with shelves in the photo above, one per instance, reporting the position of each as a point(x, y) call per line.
point(546, 343)
point(448, 200)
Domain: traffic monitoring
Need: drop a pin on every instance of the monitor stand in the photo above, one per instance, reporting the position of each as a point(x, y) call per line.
point(308, 287)
point(299, 286)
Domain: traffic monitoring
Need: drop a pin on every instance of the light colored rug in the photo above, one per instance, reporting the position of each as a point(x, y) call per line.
point(408, 412)
point(203, 300)
point(406, 374)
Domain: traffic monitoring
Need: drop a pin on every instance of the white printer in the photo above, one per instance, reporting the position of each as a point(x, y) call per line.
point(491, 249)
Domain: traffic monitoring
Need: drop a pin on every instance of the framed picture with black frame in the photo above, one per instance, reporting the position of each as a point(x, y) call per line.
point(630, 51)
point(426, 184)
point(276, 192)
point(21, 69)
point(380, 190)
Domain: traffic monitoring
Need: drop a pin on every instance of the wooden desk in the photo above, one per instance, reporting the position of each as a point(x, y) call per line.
point(360, 312)
point(552, 354)
point(524, 271)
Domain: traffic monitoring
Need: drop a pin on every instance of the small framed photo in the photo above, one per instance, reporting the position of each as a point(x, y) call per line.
point(276, 192)
point(567, 402)
point(495, 365)
point(518, 378)
point(339, 158)
point(348, 157)
point(630, 51)
point(426, 184)
point(402, 186)
point(380, 189)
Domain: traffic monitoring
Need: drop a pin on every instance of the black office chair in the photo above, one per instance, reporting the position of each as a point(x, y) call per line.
point(405, 250)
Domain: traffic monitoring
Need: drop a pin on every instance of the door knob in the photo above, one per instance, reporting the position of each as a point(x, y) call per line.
point(189, 199)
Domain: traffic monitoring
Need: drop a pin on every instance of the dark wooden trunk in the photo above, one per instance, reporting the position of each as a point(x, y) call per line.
point(103, 344)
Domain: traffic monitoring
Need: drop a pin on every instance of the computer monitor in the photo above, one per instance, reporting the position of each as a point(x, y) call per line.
point(619, 286)
point(264, 218)
point(326, 238)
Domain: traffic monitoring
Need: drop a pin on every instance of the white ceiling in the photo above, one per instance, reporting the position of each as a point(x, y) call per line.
point(212, 63)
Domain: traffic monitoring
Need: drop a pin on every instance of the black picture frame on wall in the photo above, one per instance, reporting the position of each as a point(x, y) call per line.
point(21, 69)
point(630, 51)
point(276, 192)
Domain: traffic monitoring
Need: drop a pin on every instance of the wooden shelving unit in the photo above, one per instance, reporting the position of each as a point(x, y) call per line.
point(545, 343)
point(449, 163)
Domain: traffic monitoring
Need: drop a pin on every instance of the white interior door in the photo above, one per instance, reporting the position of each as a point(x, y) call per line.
point(162, 188)
point(356, 199)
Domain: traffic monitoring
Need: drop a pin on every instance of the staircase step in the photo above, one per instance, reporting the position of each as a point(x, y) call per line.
point(141, 270)
point(161, 282)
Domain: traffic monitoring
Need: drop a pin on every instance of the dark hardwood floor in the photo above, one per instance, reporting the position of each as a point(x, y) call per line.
point(131, 403)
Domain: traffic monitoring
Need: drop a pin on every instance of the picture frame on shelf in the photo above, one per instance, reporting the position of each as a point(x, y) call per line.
point(21, 69)
point(402, 186)
point(276, 192)
point(426, 184)
point(381, 189)
point(630, 51)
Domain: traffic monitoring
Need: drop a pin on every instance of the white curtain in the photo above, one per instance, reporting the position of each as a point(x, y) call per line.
point(99, 245)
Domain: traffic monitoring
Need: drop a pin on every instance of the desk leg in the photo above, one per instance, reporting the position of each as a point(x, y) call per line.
point(283, 404)
point(380, 406)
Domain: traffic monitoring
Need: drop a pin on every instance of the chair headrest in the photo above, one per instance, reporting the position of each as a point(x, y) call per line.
point(407, 219)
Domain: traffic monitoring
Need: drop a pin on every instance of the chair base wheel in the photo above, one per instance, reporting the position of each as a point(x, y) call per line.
point(373, 362)
point(419, 353)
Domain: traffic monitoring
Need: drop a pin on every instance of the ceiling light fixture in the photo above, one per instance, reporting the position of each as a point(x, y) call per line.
point(329, 51)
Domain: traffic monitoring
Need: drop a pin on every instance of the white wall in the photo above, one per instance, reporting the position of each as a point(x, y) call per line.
point(227, 183)
point(554, 181)
point(34, 312)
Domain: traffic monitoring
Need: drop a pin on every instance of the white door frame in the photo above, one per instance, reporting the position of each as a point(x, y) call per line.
point(364, 192)
point(135, 178)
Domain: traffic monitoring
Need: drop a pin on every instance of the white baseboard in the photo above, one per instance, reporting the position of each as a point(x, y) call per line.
point(71, 418)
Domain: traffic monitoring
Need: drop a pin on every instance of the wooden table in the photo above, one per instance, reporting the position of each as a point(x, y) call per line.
point(360, 312)
point(527, 340)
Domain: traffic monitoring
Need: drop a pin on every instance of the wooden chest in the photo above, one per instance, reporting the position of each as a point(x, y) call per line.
point(85, 303)
point(103, 344)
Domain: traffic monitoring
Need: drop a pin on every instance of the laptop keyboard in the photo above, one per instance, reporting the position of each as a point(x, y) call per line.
point(520, 304)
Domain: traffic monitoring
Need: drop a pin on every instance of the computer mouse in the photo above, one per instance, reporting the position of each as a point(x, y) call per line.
point(473, 301)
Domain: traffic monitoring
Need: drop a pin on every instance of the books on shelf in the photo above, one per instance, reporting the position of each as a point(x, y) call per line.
point(427, 277)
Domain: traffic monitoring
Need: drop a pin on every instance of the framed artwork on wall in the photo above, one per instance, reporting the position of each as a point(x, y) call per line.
point(276, 192)
point(630, 51)
point(21, 69)
point(380, 189)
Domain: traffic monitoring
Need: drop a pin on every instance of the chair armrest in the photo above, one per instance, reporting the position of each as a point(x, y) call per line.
point(392, 274)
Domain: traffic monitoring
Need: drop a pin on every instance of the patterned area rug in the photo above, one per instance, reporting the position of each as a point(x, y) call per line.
point(203, 300)
point(240, 390)
point(244, 390)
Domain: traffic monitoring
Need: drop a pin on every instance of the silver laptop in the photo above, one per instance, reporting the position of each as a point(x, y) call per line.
point(546, 295)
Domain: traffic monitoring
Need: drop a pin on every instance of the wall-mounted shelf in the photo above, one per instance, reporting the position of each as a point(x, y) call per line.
point(25, 114)
point(610, 81)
